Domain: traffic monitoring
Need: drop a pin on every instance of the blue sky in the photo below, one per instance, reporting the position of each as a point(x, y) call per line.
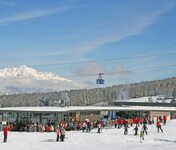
point(128, 40)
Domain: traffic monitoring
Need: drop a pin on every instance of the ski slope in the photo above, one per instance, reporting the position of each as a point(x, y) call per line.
point(109, 139)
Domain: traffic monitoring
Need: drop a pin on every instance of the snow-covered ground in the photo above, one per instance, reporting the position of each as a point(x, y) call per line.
point(109, 139)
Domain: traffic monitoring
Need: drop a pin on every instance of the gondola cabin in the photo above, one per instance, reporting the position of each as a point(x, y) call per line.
point(100, 80)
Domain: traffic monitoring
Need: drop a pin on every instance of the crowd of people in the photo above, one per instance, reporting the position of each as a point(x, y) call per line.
point(87, 125)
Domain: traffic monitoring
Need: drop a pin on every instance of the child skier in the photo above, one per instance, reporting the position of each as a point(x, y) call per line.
point(136, 130)
point(141, 136)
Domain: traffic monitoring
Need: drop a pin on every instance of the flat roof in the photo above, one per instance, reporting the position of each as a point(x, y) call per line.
point(86, 108)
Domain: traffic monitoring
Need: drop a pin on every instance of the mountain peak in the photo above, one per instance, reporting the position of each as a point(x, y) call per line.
point(25, 79)
point(23, 67)
point(28, 72)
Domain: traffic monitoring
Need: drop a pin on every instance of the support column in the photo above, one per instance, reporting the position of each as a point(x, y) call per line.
point(40, 117)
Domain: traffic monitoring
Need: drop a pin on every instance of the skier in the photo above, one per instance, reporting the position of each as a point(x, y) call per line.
point(126, 127)
point(84, 126)
point(62, 137)
point(58, 132)
point(149, 120)
point(160, 119)
point(136, 130)
point(164, 119)
point(141, 136)
point(115, 123)
point(158, 125)
point(88, 126)
point(99, 127)
point(131, 121)
point(144, 127)
point(6, 129)
point(120, 122)
point(153, 120)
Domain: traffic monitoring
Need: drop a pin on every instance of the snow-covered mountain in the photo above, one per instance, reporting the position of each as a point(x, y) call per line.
point(24, 79)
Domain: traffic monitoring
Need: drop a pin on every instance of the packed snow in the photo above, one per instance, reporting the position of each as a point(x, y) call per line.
point(109, 139)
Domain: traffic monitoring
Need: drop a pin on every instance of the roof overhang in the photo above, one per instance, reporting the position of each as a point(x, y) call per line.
point(86, 108)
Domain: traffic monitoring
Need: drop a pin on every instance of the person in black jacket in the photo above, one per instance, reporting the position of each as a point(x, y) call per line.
point(144, 127)
point(125, 127)
point(88, 126)
point(136, 130)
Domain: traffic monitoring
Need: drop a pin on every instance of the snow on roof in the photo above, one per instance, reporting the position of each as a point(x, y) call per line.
point(86, 108)
point(155, 99)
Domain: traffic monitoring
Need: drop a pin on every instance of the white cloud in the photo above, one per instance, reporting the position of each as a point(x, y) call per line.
point(35, 14)
point(115, 31)
point(90, 68)
point(98, 35)
point(120, 70)
point(94, 68)
point(94, 36)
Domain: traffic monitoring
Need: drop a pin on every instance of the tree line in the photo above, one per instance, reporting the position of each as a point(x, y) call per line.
point(83, 97)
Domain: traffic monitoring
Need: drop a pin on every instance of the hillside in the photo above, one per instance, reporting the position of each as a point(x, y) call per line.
point(165, 87)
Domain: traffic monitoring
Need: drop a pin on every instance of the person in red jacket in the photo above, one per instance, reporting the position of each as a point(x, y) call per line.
point(6, 129)
point(158, 125)
point(115, 123)
point(164, 119)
